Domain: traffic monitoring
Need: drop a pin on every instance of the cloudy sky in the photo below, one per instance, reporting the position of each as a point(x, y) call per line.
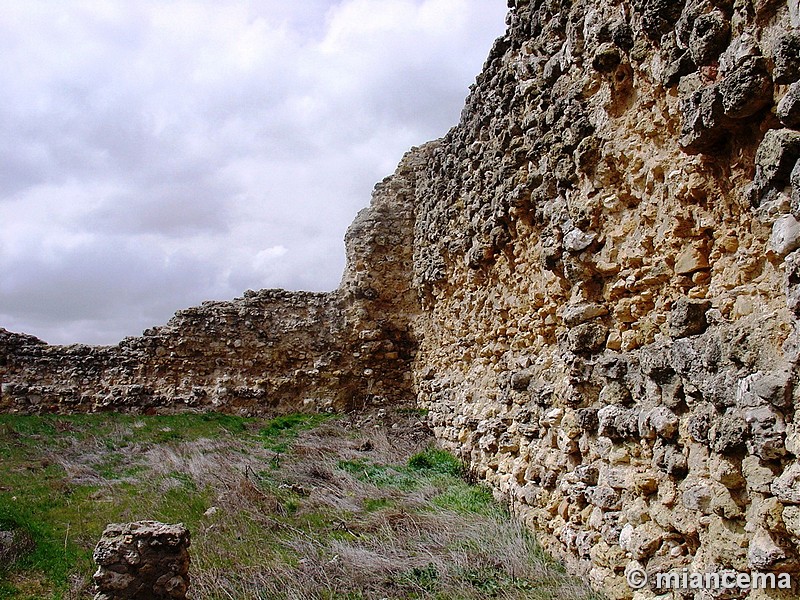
point(155, 154)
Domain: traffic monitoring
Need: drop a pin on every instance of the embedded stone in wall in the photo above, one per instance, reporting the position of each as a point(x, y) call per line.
point(145, 560)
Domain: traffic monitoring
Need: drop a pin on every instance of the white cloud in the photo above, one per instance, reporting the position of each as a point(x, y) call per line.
point(158, 154)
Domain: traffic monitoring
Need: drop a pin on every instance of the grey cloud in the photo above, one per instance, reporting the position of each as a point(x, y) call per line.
point(159, 154)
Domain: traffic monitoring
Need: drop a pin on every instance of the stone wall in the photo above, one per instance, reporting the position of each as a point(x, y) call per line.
point(592, 282)
point(269, 351)
point(606, 259)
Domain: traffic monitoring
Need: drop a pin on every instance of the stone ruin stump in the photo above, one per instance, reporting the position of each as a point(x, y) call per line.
point(146, 560)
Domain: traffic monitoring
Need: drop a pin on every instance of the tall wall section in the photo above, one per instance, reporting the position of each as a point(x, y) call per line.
point(606, 256)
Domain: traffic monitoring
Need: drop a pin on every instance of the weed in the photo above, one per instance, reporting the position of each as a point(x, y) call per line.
point(280, 431)
point(378, 475)
point(343, 511)
point(435, 460)
point(424, 579)
point(463, 498)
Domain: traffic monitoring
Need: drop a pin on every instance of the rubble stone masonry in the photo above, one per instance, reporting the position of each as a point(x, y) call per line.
point(592, 283)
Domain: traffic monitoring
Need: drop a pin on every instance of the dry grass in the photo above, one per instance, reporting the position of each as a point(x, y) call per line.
point(337, 512)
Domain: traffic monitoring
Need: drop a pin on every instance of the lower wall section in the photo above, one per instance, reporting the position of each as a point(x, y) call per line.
point(270, 350)
point(682, 454)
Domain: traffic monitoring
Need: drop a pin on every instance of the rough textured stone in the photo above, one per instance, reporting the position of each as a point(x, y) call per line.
point(792, 282)
point(763, 553)
point(746, 90)
point(709, 37)
point(786, 57)
point(703, 120)
point(688, 317)
point(690, 260)
point(777, 155)
point(789, 107)
point(791, 519)
point(145, 560)
point(786, 487)
point(785, 236)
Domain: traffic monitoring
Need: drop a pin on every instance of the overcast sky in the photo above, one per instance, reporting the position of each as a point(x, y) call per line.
point(157, 154)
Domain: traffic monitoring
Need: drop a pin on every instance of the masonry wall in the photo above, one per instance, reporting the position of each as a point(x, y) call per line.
point(269, 351)
point(606, 258)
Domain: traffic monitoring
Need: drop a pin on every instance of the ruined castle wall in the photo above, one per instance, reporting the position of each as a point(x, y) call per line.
point(606, 254)
point(269, 351)
point(592, 282)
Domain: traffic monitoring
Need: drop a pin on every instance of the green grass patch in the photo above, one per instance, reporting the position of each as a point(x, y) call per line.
point(463, 498)
point(434, 460)
point(420, 579)
point(373, 504)
point(281, 431)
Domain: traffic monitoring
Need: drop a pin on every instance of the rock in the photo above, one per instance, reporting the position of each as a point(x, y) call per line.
point(670, 460)
point(521, 380)
point(579, 313)
point(576, 240)
point(657, 16)
point(659, 421)
point(587, 338)
point(587, 474)
point(746, 90)
point(761, 389)
point(759, 477)
point(618, 478)
point(709, 37)
point(792, 282)
point(698, 497)
point(729, 434)
point(794, 180)
point(604, 497)
point(703, 126)
point(786, 487)
point(645, 540)
point(699, 423)
point(775, 159)
point(690, 260)
point(767, 432)
point(789, 107)
point(688, 317)
point(791, 519)
point(606, 58)
point(763, 553)
point(786, 56)
point(615, 392)
point(785, 236)
point(741, 48)
point(587, 419)
point(142, 560)
point(726, 472)
point(617, 423)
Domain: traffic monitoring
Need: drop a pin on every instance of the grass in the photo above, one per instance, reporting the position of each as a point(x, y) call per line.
point(311, 507)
